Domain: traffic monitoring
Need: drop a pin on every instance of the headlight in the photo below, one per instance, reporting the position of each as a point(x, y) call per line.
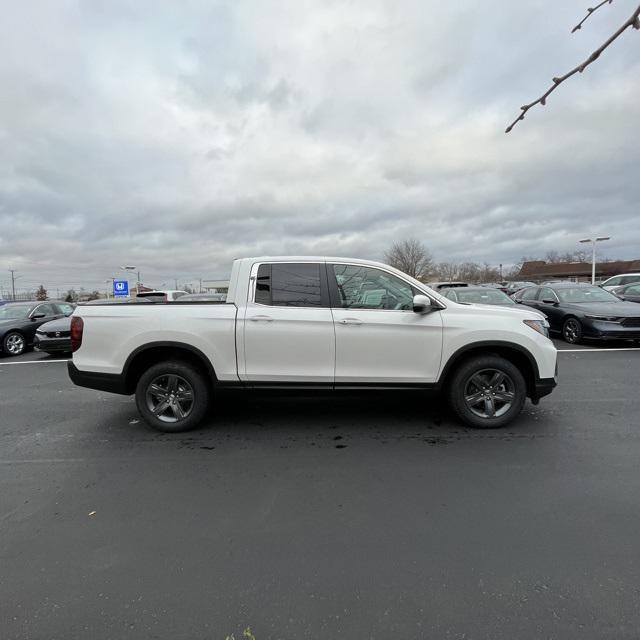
point(40, 333)
point(604, 318)
point(541, 326)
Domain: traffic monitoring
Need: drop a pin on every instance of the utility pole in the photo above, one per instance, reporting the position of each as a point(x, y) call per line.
point(176, 283)
point(13, 285)
point(200, 291)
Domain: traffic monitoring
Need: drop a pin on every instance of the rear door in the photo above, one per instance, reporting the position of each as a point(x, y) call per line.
point(380, 340)
point(288, 326)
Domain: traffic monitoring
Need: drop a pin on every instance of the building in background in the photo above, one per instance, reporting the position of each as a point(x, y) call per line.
point(215, 286)
point(539, 270)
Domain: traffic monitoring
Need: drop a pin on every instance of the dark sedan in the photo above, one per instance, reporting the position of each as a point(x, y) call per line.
point(580, 311)
point(19, 322)
point(629, 292)
point(54, 337)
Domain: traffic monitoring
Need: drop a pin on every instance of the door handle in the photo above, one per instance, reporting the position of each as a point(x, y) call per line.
point(350, 321)
point(264, 318)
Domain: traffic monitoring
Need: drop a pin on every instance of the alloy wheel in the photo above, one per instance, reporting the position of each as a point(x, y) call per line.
point(489, 393)
point(15, 344)
point(571, 332)
point(170, 398)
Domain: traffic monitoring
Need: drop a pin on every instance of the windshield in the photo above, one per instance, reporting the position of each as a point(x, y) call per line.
point(14, 312)
point(490, 296)
point(580, 295)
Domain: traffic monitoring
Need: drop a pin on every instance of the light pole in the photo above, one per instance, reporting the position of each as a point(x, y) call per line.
point(132, 268)
point(593, 254)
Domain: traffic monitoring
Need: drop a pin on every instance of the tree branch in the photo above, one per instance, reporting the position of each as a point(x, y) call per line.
point(590, 11)
point(633, 21)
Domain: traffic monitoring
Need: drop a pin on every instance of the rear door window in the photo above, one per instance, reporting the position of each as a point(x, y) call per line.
point(290, 285)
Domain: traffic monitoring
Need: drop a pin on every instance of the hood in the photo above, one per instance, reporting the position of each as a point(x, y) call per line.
point(520, 311)
point(622, 309)
point(62, 324)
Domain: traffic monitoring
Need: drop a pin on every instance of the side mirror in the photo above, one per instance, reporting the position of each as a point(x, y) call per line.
point(37, 316)
point(548, 301)
point(421, 304)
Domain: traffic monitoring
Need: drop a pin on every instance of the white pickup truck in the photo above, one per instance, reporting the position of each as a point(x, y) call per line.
point(314, 323)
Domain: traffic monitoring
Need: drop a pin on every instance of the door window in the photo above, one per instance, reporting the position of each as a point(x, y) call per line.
point(530, 294)
point(614, 282)
point(547, 294)
point(289, 285)
point(629, 279)
point(369, 288)
point(47, 309)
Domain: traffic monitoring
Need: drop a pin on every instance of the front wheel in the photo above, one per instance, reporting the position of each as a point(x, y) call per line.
point(487, 392)
point(172, 396)
point(572, 331)
point(14, 344)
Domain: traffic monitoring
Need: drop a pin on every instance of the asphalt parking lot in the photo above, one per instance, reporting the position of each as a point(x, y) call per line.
point(354, 517)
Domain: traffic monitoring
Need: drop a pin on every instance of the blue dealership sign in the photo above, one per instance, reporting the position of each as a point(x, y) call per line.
point(121, 288)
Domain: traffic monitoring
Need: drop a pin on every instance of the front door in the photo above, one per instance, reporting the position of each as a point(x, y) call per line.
point(288, 327)
point(380, 340)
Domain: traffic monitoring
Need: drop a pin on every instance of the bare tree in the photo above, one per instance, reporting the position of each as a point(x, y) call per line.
point(41, 293)
point(411, 257)
point(633, 21)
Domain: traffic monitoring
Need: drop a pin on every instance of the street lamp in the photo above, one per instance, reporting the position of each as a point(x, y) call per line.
point(129, 267)
point(593, 255)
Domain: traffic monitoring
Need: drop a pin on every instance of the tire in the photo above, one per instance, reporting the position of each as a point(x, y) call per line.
point(572, 331)
point(172, 396)
point(487, 392)
point(14, 344)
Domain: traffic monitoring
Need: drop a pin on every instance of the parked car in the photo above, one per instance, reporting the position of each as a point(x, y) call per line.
point(168, 295)
point(315, 323)
point(514, 287)
point(629, 292)
point(20, 320)
point(500, 286)
point(204, 297)
point(582, 311)
point(54, 337)
point(619, 280)
point(436, 286)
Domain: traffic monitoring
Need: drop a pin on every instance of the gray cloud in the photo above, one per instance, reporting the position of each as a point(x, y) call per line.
point(180, 136)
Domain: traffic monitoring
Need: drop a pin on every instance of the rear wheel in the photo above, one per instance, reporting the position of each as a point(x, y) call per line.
point(487, 392)
point(172, 396)
point(14, 344)
point(572, 330)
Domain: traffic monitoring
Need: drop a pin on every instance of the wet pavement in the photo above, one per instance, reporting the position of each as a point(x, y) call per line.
point(372, 516)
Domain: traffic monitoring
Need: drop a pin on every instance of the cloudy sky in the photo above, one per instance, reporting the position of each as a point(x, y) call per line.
point(177, 136)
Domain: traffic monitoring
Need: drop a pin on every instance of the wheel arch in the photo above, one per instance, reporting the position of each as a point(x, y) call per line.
point(154, 352)
point(514, 353)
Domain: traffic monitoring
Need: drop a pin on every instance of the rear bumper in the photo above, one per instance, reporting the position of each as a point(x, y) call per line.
point(112, 383)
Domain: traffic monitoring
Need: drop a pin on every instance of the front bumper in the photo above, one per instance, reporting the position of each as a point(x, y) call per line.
point(51, 345)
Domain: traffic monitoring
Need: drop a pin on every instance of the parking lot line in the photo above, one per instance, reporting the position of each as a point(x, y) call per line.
point(2, 364)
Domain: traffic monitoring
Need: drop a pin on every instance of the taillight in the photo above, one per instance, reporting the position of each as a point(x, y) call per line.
point(77, 327)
